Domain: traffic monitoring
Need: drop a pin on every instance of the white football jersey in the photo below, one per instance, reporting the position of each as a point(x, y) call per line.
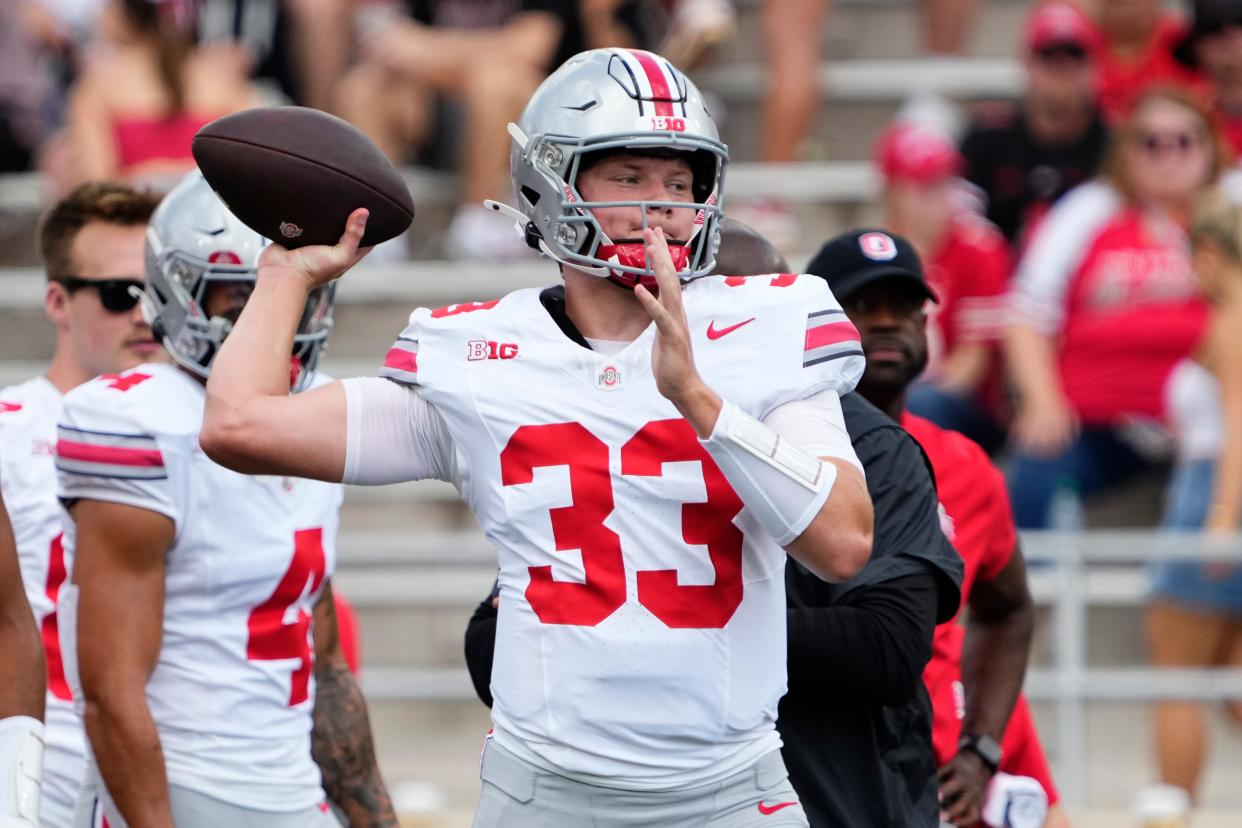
point(233, 689)
point(28, 416)
point(641, 637)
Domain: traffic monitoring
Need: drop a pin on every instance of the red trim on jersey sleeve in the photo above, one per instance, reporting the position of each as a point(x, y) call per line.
point(830, 334)
point(6, 407)
point(116, 456)
point(401, 360)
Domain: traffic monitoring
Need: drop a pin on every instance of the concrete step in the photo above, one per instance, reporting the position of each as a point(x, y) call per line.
point(883, 29)
point(819, 191)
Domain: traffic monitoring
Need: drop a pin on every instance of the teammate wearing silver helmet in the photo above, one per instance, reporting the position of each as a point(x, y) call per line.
point(197, 624)
point(644, 444)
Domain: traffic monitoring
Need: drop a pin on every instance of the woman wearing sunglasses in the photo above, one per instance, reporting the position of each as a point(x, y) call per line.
point(1104, 305)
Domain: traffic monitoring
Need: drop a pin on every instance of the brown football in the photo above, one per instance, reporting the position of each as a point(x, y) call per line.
point(295, 174)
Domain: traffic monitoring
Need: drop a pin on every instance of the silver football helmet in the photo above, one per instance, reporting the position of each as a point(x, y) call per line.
point(612, 99)
point(192, 241)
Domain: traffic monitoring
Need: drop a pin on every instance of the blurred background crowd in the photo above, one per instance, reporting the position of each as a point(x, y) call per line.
point(1065, 169)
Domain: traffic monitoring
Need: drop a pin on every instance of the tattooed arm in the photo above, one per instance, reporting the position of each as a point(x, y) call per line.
point(341, 740)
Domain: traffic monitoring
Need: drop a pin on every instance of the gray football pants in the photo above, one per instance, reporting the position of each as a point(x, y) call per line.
point(194, 810)
point(516, 794)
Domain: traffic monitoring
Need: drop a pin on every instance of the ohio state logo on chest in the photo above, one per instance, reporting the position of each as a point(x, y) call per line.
point(477, 349)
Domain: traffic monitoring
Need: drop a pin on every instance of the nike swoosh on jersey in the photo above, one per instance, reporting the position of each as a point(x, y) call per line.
point(768, 810)
point(715, 333)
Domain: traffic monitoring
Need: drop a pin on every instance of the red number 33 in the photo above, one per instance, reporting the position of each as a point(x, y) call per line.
point(581, 526)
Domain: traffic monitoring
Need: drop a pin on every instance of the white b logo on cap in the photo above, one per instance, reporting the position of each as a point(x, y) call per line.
point(877, 246)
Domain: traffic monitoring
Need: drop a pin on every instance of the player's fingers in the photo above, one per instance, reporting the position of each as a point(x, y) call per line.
point(661, 262)
point(355, 226)
point(657, 311)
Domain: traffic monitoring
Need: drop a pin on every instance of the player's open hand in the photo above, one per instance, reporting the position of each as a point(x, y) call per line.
point(317, 264)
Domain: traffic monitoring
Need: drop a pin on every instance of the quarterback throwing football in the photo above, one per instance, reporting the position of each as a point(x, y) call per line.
point(644, 444)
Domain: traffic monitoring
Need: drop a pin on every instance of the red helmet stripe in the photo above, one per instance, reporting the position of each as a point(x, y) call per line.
point(661, 95)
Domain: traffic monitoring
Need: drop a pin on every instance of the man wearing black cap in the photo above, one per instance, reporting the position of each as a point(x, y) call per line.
point(1214, 44)
point(975, 674)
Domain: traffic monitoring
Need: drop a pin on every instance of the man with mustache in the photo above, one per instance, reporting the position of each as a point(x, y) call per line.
point(975, 675)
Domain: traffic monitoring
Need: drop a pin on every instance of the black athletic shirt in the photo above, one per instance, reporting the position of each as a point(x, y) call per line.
point(856, 721)
point(1020, 177)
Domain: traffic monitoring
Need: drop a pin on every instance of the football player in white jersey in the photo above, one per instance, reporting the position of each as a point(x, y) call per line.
point(21, 693)
point(91, 245)
point(197, 622)
point(643, 464)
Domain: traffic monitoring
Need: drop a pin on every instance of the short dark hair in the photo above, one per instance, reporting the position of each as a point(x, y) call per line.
point(744, 252)
point(110, 202)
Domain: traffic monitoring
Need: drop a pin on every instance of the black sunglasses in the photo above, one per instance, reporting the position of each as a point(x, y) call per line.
point(1061, 51)
point(114, 294)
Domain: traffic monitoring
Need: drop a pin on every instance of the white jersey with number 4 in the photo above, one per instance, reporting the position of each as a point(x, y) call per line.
point(28, 416)
point(233, 689)
point(641, 638)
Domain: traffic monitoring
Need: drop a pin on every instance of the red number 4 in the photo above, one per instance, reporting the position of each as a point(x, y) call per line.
point(581, 526)
point(272, 637)
point(56, 575)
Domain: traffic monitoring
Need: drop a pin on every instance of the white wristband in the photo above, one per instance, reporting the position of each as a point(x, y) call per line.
point(21, 771)
point(783, 486)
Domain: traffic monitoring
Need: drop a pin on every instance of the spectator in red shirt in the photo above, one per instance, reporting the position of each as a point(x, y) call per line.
point(1104, 305)
point(1139, 37)
point(975, 673)
point(1214, 45)
point(968, 266)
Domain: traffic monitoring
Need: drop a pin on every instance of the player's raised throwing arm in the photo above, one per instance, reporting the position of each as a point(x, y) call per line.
point(819, 510)
point(252, 424)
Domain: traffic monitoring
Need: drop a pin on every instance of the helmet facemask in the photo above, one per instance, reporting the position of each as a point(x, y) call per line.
point(576, 238)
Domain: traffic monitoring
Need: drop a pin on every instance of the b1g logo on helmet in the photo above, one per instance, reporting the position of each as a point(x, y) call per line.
point(668, 123)
point(877, 246)
point(290, 230)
